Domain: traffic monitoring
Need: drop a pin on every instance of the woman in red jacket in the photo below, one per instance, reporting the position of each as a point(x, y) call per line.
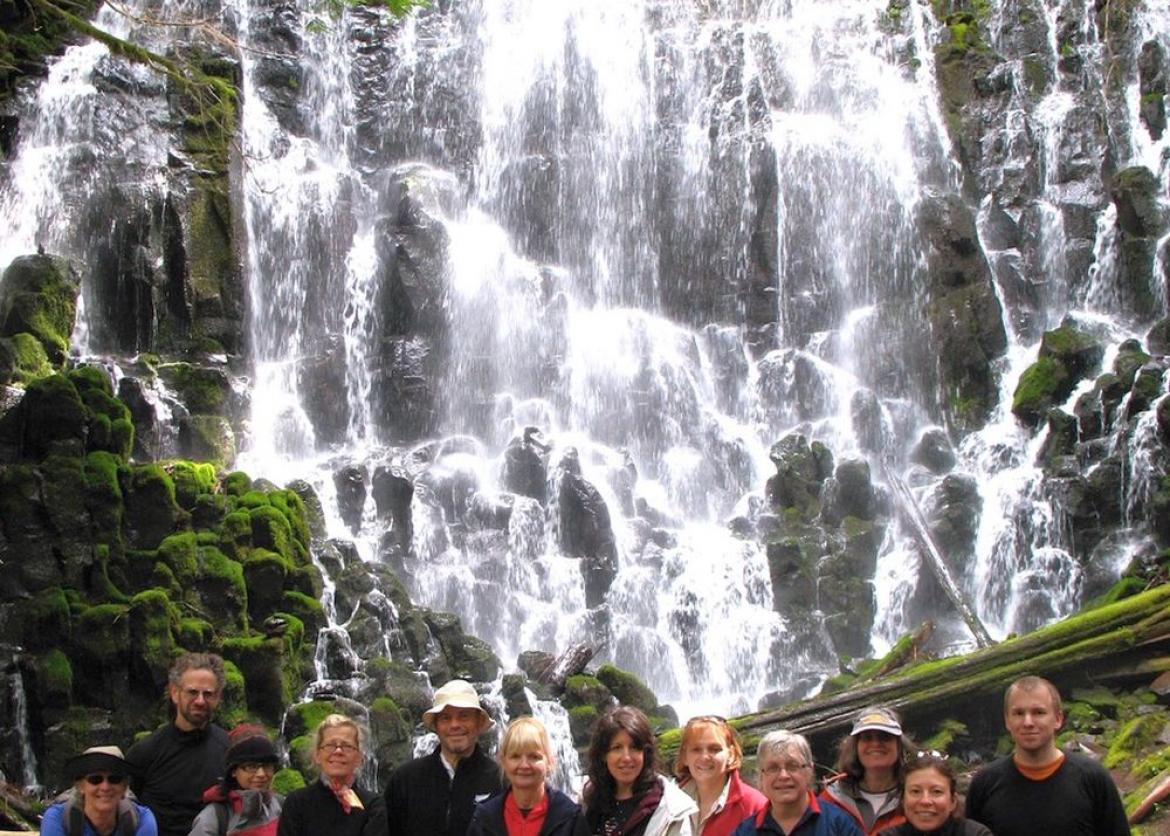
point(707, 767)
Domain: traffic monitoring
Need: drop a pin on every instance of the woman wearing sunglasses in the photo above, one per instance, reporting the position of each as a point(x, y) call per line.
point(335, 804)
point(243, 803)
point(97, 804)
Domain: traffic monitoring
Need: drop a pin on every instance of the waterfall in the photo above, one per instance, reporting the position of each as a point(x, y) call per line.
point(20, 727)
point(663, 248)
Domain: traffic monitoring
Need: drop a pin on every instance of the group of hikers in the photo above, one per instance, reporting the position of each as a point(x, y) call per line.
point(191, 777)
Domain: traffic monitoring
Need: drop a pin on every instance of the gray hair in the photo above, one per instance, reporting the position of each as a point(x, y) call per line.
point(779, 742)
point(198, 662)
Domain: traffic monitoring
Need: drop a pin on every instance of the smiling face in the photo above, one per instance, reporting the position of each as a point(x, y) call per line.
point(877, 750)
point(706, 755)
point(254, 776)
point(101, 799)
point(624, 760)
point(458, 729)
point(196, 697)
point(785, 778)
point(928, 799)
point(339, 754)
point(1032, 719)
point(526, 768)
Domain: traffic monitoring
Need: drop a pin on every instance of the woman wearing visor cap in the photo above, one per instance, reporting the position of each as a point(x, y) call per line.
point(97, 804)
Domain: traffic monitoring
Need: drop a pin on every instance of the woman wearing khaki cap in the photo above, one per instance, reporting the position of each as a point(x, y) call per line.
point(870, 761)
point(97, 804)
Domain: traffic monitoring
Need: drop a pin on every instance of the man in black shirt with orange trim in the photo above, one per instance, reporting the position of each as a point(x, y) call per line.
point(1038, 788)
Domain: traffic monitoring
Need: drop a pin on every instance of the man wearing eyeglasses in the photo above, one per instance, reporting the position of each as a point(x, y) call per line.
point(175, 764)
point(436, 794)
point(1038, 788)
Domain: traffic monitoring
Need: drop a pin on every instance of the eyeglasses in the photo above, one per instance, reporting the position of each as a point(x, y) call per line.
point(338, 746)
point(791, 767)
point(257, 767)
point(115, 779)
point(195, 693)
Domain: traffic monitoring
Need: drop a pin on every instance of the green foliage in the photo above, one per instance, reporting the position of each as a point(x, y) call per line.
point(286, 780)
point(627, 688)
point(237, 483)
point(180, 553)
point(23, 359)
point(192, 479)
point(1137, 734)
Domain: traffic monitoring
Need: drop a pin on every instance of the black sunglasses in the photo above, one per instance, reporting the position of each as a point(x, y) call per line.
point(114, 779)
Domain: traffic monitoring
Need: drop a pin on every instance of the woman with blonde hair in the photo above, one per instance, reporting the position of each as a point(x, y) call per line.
point(335, 804)
point(707, 768)
point(528, 806)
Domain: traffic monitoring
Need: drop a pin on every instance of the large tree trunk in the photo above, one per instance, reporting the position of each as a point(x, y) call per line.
point(1128, 640)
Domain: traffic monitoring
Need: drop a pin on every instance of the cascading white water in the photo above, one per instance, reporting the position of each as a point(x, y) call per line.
point(598, 186)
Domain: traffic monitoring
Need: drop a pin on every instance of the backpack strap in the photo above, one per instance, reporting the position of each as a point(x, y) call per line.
point(221, 813)
point(127, 818)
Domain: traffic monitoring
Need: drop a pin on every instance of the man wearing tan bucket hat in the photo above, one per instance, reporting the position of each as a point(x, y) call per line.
point(436, 794)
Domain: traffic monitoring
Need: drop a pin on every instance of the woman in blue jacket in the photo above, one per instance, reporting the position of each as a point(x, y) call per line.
point(97, 804)
point(528, 806)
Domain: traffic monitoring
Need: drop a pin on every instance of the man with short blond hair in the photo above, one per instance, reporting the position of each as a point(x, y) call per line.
point(1039, 788)
point(436, 795)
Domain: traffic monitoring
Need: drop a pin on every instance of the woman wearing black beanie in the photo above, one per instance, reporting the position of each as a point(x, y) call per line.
point(243, 803)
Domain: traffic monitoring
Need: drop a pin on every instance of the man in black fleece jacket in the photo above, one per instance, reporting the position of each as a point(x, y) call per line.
point(436, 794)
point(174, 765)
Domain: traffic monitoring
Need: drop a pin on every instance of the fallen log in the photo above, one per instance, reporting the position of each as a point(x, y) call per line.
point(1157, 795)
point(1118, 634)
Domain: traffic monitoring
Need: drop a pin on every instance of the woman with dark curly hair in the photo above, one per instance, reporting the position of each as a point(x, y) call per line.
point(928, 797)
point(625, 795)
point(869, 786)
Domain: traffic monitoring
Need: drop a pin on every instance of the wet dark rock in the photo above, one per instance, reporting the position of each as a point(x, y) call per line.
point(792, 565)
point(403, 387)
point(794, 385)
point(844, 592)
point(393, 492)
point(1063, 434)
point(868, 425)
point(933, 451)
point(1147, 388)
point(148, 438)
point(1152, 87)
point(466, 657)
point(585, 532)
point(999, 230)
point(489, 512)
point(350, 483)
point(321, 380)
point(1066, 356)
point(515, 699)
point(966, 320)
point(525, 468)
point(38, 296)
point(849, 493)
point(801, 470)
point(1158, 337)
point(1135, 194)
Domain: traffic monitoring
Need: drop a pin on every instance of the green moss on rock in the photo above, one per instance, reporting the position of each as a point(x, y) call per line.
point(304, 717)
point(627, 688)
point(192, 480)
point(45, 620)
point(581, 721)
point(286, 780)
point(1043, 385)
point(180, 552)
point(54, 679)
point(52, 415)
point(154, 621)
point(307, 609)
point(237, 483)
point(38, 296)
point(151, 511)
point(195, 634)
point(23, 359)
point(222, 587)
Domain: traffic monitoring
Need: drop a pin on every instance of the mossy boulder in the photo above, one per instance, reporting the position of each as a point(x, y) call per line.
point(390, 733)
point(306, 608)
point(800, 472)
point(151, 511)
point(222, 587)
point(38, 296)
point(1043, 385)
point(584, 689)
point(466, 657)
point(180, 553)
point(627, 688)
point(100, 644)
point(286, 780)
point(272, 670)
point(154, 620)
point(195, 634)
point(303, 718)
point(103, 473)
point(192, 480)
point(1080, 353)
point(264, 575)
point(53, 416)
point(203, 390)
point(46, 620)
point(54, 680)
point(1135, 735)
point(402, 683)
point(208, 437)
point(581, 721)
point(23, 359)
